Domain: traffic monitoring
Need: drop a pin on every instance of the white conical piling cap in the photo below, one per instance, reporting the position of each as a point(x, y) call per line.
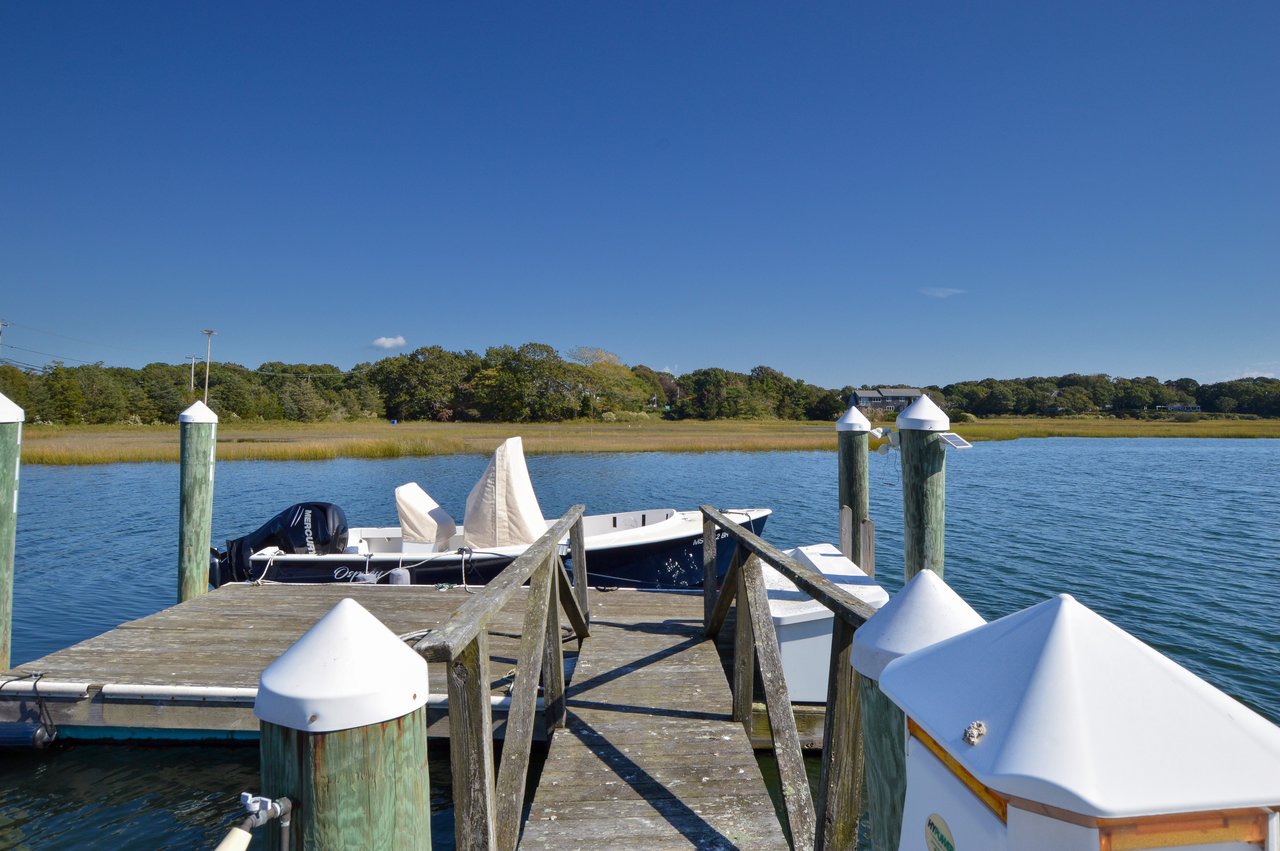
point(1082, 716)
point(923, 415)
point(853, 420)
point(9, 411)
point(346, 671)
point(198, 413)
point(923, 613)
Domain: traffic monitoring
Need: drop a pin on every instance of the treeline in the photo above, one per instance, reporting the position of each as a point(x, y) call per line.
point(528, 383)
point(1085, 394)
point(535, 383)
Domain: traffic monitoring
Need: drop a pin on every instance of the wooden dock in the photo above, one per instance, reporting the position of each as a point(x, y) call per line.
point(649, 736)
point(190, 672)
point(649, 756)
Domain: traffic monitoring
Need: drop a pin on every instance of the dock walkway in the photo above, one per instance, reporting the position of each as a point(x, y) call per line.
point(649, 757)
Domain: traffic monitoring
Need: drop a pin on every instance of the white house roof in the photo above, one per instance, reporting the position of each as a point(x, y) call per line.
point(1083, 716)
point(923, 415)
point(924, 612)
point(347, 671)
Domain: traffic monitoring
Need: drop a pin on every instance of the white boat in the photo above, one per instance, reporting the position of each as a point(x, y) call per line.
point(310, 542)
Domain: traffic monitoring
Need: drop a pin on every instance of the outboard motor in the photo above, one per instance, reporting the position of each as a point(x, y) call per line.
point(312, 528)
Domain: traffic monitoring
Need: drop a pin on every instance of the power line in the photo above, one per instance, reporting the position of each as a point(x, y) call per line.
point(75, 339)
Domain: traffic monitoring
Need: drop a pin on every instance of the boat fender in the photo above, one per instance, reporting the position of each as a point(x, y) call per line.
point(22, 734)
point(399, 576)
point(366, 578)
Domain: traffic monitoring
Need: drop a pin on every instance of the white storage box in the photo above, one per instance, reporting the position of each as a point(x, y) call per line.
point(1054, 730)
point(804, 625)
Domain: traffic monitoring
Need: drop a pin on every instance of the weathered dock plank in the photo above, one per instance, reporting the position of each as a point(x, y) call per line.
point(649, 756)
point(193, 669)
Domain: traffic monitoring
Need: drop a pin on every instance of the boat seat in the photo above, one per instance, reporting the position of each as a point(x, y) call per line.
point(422, 520)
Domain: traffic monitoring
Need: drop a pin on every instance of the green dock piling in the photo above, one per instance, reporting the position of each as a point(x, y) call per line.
point(924, 476)
point(199, 437)
point(11, 418)
point(343, 716)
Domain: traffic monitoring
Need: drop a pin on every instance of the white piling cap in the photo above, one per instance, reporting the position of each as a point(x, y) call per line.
point(853, 420)
point(347, 671)
point(923, 613)
point(923, 415)
point(1082, 716)
point(198, 413)
point(9, 411)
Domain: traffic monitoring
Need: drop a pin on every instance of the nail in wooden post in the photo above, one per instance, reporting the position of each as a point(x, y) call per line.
point(343, 716)
point(11, 419)
point(199, 428)
point(852, 433)
point(924, 474)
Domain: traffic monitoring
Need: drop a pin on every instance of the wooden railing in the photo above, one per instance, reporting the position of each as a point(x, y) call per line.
point(487, 811)
point(833, 822)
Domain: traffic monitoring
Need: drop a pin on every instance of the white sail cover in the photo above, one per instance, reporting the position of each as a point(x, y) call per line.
point(422, 520)
point(502, 509)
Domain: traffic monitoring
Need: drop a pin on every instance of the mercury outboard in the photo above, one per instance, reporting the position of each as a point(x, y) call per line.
point(312, 528)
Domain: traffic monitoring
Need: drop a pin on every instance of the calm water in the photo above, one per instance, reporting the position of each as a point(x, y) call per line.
point(1177, 541)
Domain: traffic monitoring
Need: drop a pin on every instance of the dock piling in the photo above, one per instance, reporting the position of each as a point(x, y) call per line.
point(853, 438)
point(199, 435)
point(924, 472)
point(11, 419)
point(840, 791)
point(343, 715)
point(924, 612)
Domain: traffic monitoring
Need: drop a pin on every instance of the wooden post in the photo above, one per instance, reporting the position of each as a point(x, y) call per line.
point(839, 802)
point(11, 419)
point(708, 569)
point(924, 612)
point(852, 432)
point(884, 739)
point(924, 472)
point(471, 746)
point(553, 663)
point(199, 428)
point(343, 718)
point(744, 652)
point(578, 552)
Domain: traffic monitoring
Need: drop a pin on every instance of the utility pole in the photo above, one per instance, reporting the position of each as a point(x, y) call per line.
point(193, 373)
point(2, 327)
point(208, 350)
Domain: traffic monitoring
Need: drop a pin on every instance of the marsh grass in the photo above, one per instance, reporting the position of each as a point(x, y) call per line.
point(64, 445)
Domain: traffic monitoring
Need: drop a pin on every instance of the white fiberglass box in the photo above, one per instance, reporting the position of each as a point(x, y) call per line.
point(804, 625)
point(1052, 729)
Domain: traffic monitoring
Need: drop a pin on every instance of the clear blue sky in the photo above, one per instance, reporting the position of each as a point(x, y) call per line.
point(849, 192)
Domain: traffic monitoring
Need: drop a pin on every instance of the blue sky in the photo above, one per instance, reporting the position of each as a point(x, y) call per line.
point(909, 192)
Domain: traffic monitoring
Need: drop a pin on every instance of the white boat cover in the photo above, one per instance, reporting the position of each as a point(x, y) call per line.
point(502, 509)
point(422, 520)
point(1082, 716)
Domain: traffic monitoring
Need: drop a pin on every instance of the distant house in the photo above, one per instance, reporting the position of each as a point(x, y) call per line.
point(886, 398)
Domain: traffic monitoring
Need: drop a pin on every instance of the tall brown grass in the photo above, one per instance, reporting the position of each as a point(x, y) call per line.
point(45, 444)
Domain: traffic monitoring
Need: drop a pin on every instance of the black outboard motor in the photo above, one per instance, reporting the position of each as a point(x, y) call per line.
point(314, 528)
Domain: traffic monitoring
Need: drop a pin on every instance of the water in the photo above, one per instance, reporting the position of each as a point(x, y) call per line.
point(1174, 540)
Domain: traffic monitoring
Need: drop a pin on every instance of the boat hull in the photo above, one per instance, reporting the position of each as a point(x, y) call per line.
point(672, 563)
